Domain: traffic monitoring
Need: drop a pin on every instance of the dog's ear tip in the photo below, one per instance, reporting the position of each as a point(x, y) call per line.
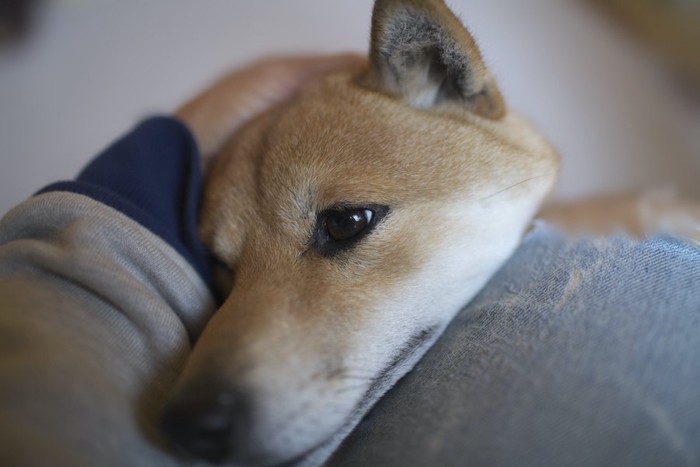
point(421, 52)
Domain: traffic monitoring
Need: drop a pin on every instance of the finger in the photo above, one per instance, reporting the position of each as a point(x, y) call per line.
point(276, 79)
point(304, 68)
point(227, 105)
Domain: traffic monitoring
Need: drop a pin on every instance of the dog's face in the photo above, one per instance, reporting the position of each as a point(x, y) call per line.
point(358, 219)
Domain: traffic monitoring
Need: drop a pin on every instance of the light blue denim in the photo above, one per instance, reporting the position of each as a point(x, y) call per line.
point(580, 352)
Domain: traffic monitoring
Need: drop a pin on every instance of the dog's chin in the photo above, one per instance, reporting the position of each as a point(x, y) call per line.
point(299, 459)
point(313, 433)
point(401, 362)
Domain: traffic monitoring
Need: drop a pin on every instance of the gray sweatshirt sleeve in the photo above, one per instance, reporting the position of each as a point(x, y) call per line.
point(97, 315)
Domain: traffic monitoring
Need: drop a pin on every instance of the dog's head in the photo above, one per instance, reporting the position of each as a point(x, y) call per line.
point(358, 219)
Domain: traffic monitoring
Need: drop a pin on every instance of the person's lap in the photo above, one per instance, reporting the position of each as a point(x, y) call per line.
point(578, 353)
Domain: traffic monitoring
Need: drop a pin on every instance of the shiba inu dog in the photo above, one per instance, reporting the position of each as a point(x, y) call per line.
point(358, 219)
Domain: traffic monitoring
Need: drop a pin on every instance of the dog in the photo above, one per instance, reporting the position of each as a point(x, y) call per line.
point(357, 219)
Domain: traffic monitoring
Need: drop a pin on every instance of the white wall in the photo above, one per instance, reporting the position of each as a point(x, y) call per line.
point(94, 68)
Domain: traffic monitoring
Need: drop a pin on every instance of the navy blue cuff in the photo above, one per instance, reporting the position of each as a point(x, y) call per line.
point(153, 176)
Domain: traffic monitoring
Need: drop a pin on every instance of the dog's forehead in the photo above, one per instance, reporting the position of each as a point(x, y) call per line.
point(341, 143)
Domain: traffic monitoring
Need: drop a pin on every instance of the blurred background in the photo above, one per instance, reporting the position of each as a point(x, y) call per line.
point(614, 84)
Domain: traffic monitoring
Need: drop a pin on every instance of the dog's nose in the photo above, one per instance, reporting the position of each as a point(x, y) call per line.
point(204, 423)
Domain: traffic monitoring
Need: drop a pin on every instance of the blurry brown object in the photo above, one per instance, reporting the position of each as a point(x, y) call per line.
point(637, 215)
point(671, 28)
point(15, 18)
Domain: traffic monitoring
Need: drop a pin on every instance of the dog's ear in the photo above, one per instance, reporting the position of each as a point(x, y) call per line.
point(422, 53)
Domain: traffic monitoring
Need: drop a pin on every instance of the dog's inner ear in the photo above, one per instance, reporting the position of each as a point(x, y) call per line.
point(421, 53)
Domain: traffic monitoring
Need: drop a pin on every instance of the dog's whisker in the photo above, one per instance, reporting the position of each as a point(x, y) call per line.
point(345, 389)
point(355, 377)
point(512, 186)
point(355, 371)
point(342, 374)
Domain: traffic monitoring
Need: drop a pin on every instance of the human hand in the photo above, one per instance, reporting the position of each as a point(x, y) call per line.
point(230, 102)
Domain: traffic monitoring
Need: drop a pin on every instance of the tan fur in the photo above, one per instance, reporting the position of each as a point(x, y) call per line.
point(307, 337)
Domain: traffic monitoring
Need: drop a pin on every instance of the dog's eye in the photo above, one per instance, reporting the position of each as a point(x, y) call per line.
point(343, 225)
point(338, 229)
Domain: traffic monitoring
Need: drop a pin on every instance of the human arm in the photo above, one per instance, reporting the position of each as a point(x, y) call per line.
point(103, 285)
